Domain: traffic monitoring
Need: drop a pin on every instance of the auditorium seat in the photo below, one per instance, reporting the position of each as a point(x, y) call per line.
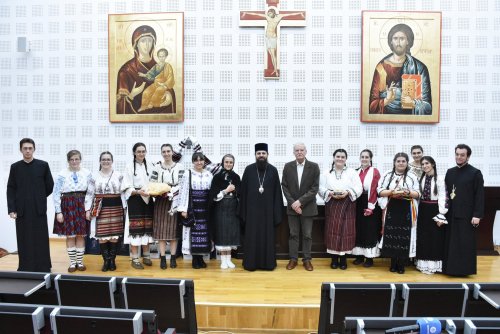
point(489, 292)
point(340, 300)
point(83, 319)
point(15, 318)
point(485, 301)
point(482, 326)
point(27, 287)
point(173, 301)
point(95, 321)
point(434, 299)
point(87, 291)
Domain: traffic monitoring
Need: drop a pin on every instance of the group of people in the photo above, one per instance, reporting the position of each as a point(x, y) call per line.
point(408, 212)
point(109, 205)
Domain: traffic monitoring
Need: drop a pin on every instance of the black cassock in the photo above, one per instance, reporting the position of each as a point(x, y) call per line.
point(260, 214)
point(467, 186)
point(28, 186)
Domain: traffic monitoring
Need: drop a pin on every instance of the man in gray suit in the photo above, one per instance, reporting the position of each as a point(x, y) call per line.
point(300, 183)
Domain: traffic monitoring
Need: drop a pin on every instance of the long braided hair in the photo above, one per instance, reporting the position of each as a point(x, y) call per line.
point(339, 150)
point(398, 155)
point(433, 164)
point(137, 145)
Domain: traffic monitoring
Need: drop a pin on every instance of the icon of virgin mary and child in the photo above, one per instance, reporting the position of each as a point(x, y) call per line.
point(146, 85)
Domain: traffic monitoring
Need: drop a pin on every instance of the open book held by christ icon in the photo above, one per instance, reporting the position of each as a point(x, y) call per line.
point(411, 87)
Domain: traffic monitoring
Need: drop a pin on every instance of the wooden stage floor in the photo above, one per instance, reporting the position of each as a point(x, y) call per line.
point(280, 301)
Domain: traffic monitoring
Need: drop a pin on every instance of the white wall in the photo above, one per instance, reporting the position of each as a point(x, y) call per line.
point(58, 92)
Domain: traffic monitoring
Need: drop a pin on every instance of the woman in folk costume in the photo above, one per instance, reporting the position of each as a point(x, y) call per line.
point(431, 226)
point(72, 211)
point(183, 153)
point(194, 202)
point(165, 218)
point(224, 194)
point(416, 165)
point(108, 205)
point(139, 221)
point(399, 192)
point(340, 188)
point(368, 214)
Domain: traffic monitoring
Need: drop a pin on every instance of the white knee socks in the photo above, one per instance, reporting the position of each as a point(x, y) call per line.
point(72, 256)
point(225, 260)
point(79, 256)
point(228, 261)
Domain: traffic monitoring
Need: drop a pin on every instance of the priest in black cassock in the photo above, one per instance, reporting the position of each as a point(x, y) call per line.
point(30, 182)
point(464, 184)
point(261, 205)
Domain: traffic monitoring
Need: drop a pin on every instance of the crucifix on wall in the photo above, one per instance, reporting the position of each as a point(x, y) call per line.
point(272, 20)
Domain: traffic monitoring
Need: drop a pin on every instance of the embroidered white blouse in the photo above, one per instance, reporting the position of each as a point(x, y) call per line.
point(170, 176)
point(105, 184)
point(348, 180)
point(139, 180)
point(441, 193)
point(409, 182)
point(199, 181)
point(70, 181)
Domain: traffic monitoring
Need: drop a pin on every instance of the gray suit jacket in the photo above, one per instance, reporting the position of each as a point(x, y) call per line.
point(306, 191)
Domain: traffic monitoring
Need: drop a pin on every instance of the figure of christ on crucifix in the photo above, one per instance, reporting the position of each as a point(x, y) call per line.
point(272, 26)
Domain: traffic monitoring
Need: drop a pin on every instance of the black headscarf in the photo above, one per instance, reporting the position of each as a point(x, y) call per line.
point(222, 179)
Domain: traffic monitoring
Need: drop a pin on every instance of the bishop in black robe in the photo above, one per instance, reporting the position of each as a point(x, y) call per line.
point(260, 214)
point(466, 191)
point(29, 185)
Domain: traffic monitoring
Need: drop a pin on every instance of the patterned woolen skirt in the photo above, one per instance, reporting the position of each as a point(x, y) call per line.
point(73, 210)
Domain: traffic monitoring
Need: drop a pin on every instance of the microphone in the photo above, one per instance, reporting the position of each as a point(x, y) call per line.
point(423, 326)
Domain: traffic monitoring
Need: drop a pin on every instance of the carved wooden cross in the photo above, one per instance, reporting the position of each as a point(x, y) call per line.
point(272, 20)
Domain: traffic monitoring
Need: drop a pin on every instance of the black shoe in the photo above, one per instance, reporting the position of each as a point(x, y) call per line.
point(195, 263)
point(335, 262)
point(163, 262)
point(202, 262)
point(401, 266)
point(394, 265)
point(173, 262)
point(368, 263)
point(343, 262)
point(359, 260)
